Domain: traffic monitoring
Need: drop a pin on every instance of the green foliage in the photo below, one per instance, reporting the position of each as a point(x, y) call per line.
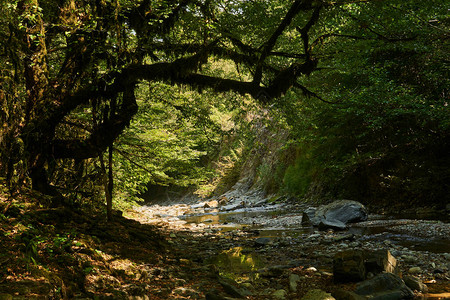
point(298, 177)
point(73, 75)
point(387, 135)
point(172, 139)
point(30, 238)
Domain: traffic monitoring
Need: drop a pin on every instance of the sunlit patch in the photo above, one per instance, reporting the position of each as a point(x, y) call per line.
point(238, 264)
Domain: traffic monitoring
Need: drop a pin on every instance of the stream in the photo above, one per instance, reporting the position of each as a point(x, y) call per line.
point(280, 220)
point(256, 231)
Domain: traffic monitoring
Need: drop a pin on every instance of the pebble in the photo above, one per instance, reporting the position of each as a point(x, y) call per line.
point(314, 236)
point(414, 270)
point(409, 259)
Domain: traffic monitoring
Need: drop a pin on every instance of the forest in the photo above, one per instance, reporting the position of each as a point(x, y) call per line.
point(106, 103)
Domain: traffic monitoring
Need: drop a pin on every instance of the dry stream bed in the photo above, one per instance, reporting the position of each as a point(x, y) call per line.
point(262, 246)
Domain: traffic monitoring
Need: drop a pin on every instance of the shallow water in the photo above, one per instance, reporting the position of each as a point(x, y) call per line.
point(254, 219)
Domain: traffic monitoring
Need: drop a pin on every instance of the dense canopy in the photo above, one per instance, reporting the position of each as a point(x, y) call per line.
point(71, 69)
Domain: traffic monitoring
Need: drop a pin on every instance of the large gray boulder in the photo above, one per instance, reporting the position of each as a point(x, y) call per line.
point(335, 215)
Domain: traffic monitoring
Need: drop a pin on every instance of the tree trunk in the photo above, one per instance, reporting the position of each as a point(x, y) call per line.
point(107, 182)
point(109, 193)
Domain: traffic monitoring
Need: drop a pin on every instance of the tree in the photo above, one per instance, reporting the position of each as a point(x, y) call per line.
point(77, 65)
point(71, 69)
point(386, 136)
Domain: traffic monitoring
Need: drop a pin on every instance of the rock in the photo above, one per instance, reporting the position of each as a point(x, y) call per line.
point(346, 211)
point(185, 292)
point(335, 215)
point(409, 259)
point(349, 266)
point(438, 271)
point(308, 217)
point(414, 270)
point(385, 286)
point(273, 271)
point(211, 204)
point(214, 295)
point(414, 283)
point(345, 237)
point(325, 224)
point(355, 265)
point(262, 241)
point(293, 280)
point(346, 295)
point(232, 290)
point(317, 295)
point(248, 286)
point(223, 201)
point(380, 261)
point(279, 294)
point(314, 236)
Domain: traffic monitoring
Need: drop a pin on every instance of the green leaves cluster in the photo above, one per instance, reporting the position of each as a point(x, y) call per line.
point(173, 138)
point(386, 136)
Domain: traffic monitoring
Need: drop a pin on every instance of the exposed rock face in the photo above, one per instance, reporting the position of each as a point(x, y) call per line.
point(335, 215)
point(384, 286)
point(354, 265)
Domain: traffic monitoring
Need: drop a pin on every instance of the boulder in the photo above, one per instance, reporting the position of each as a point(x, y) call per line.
point(229, 286)
point(308, 217)
point(354, 265)
point(385, 286)
point(380, 261)
point(325, 224)
point(415, 284)
point(335, 215)
point(349, 266)
point(346, 211)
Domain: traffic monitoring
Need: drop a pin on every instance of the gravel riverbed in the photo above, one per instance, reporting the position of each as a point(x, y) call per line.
point(273, 235)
